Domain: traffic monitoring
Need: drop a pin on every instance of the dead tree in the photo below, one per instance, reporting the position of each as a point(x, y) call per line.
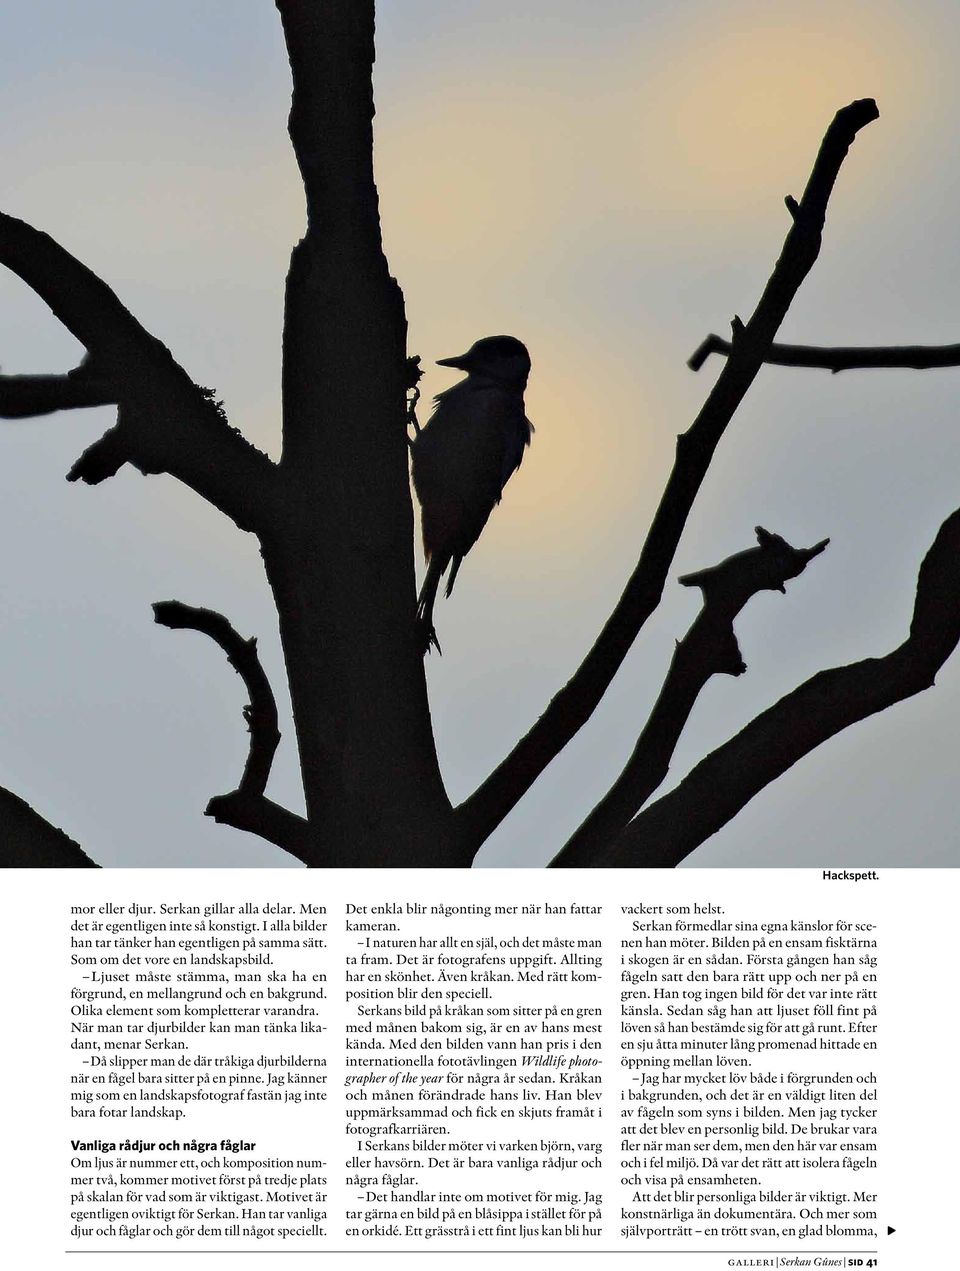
point(334, 522)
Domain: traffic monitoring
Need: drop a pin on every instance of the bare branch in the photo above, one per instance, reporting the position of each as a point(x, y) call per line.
point(916, 357)
point(720, 785)
point(105, 457)
point(26, 396)
point(245, 808)
point(268, 820)
point(29, 841)
point(261, 714)
point(575, 703)
point(167, 423)
point(709, 648)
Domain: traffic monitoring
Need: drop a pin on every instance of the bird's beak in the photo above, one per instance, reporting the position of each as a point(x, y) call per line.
point(459, 362)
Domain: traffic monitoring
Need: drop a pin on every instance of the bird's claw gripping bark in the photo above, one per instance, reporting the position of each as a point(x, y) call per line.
point(427, 634)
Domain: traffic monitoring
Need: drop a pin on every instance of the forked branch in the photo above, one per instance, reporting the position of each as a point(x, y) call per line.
point(575, 703)
point(709, 648)
point(166, 422)
point(719, 786)
point(245, 808)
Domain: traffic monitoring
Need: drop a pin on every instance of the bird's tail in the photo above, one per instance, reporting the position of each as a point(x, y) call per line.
point(426, 601)
point(453, 575)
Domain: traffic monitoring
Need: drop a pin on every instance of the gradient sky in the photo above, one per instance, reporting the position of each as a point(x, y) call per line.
point(605, 181)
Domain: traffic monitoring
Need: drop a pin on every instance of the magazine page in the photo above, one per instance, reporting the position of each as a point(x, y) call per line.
point(461, 490)
point(695, 1065)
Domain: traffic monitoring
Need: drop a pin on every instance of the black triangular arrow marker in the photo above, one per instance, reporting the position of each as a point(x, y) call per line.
point(891, 1230)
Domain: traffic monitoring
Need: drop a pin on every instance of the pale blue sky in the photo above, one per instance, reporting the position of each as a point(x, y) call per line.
point(604, 181)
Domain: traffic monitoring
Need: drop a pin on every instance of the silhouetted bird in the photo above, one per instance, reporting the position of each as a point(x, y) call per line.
point(472, 444)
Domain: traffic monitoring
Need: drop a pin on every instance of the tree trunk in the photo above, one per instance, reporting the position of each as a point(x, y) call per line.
point(339, 553)
point(371, 779)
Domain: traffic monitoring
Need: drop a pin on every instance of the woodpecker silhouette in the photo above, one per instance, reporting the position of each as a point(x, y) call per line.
point(465, 455)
